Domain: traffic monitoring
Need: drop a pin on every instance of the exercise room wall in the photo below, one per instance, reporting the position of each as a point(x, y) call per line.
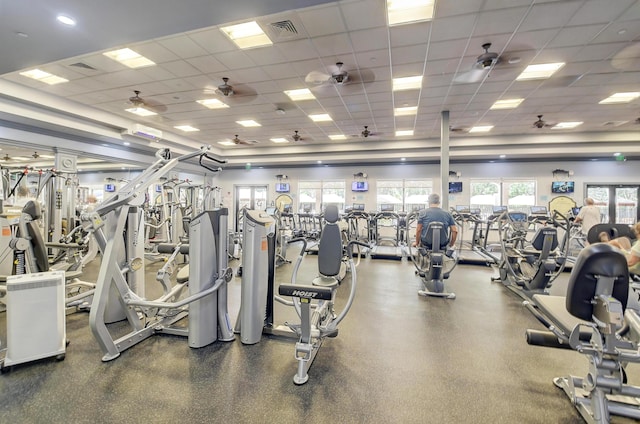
point(602, 171)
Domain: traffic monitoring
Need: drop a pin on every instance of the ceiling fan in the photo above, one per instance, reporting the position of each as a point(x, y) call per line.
point(296, 136)
point(152, 105)
point(236, 93)
point(6, 158)
point(35, 155)
point(239, 141)
point(483, 65)
point(541, 124)
point(337, 76)
point(367, 133)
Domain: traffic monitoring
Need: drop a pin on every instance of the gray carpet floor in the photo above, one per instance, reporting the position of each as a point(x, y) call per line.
point(399, 358)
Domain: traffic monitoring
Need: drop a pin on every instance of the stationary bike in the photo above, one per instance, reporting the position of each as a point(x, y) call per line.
point(433, 263)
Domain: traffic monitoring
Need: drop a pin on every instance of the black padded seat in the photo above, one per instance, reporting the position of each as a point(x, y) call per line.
point(555, 306)
point(597, 261)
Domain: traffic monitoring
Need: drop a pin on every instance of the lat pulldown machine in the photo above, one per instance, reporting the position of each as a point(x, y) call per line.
point(121, 277)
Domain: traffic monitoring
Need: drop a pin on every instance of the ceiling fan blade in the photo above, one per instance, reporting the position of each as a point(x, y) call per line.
point(628, 58)
point(472, 76)
point(362, 75)
point(316, 77)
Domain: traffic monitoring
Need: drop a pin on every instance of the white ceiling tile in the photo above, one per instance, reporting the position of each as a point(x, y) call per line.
point(451, 8)
point(600, 11)
point(212, 40)
point(404, 35)
point(499, 21)
point(444, 49)
point(364, 14)
point(183, 46)
point(568, 36)
point(250, 75)
point(322, 20)
point(532, 39)
point(236, 59)
point(297, 50)
point(370, 39)
point(158, 73)
point(373, 58)
point(549, 15)
point(451, 28)
point(207, 64)
point(263, 57)
point(333, 45)
point(409, 54)
point(181, 68)
point(155, 52)
point(279, 71)
point(600, 51)
point(632, 13)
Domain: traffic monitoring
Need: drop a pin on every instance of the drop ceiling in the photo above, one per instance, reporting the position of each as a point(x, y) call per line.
point(599, 41)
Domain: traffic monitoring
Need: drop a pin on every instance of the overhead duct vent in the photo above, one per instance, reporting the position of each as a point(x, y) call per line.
point(83, 66)
point(142, 131)
point(284, 29)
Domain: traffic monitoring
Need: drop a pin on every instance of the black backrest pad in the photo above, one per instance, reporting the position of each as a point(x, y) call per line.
point(545, 232)
point(596, 260)
point(39, 249)
point(330, 247)
point(612, 230)
point(436, 230)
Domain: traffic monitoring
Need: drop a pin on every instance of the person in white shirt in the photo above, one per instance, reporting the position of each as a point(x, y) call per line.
point(589, 215)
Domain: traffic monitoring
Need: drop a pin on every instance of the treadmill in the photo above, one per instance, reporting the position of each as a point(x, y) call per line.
point(387, 233)
point(470, 222)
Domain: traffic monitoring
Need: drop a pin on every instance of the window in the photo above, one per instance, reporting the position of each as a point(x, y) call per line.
point(333, 194)
point(402, 195)
point(521, 194)
point(313, 196)
point(485, 194)
point(309, 195)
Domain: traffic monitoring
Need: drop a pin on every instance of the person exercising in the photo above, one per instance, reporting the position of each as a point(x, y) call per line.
point(589, 215)
point(434, 213)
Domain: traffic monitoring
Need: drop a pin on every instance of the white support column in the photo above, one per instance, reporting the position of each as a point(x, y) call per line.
point(444, 160)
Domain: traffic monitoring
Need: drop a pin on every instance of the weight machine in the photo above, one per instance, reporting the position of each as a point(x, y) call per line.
point(119, 290)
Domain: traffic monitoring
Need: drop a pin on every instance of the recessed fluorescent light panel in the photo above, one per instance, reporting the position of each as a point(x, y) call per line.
point(301, 94)
point(67, 20)
point(336, 137)
point(279, 140)
point(323, 117)
point(227, 143)
point(248, 123)
point(404, 133)
point(247, 35)
point(481, 128)
point(407, 83)
point(541, 71)
point(212, 103)
point(140, 111)
point(405, 111)
point(565, 125)
point(408, 11)
point(620, 98)
point(129, 58)
point(186, 128)
point(43, 76)
point(507, 104)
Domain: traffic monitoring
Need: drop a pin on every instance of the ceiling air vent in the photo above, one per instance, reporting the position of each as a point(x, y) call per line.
point(83, 66)
point(284, 27)
point(614, 123)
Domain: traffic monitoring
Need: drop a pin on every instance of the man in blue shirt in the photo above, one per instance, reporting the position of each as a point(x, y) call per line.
point(436, 214)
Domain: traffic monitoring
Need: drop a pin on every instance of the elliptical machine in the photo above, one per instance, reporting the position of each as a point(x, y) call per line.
point(433, 263)
point(528, 267)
